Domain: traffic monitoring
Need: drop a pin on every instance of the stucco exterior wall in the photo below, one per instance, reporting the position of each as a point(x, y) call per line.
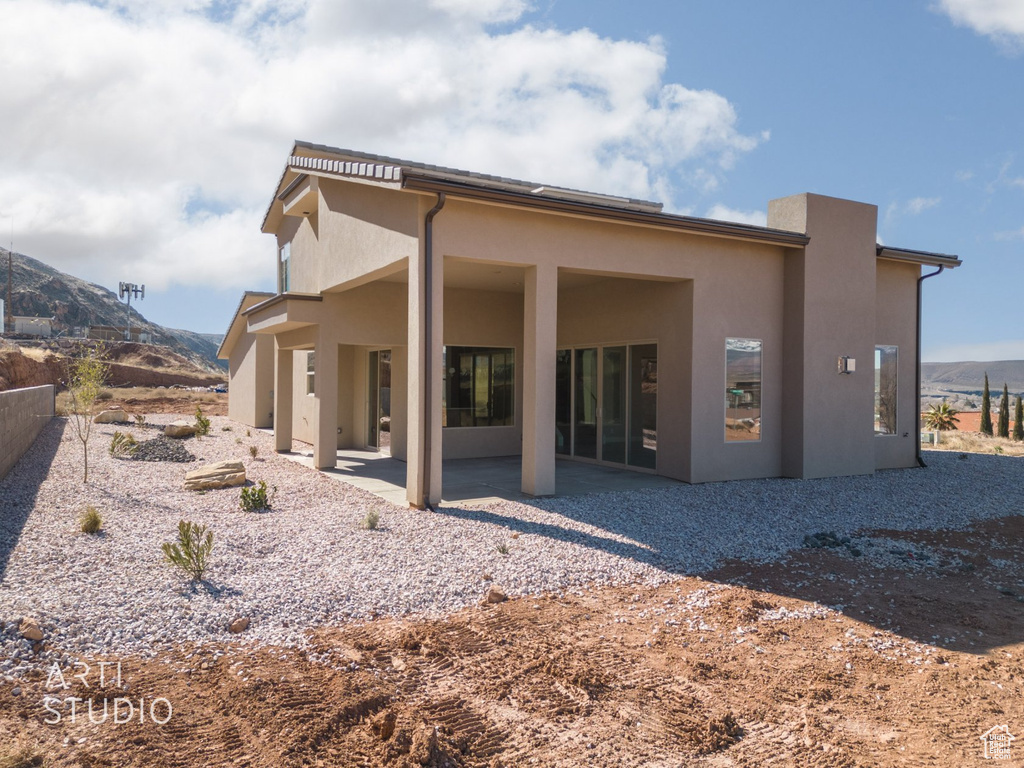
point(23, 414)
point(896, 323)
point(251, 381)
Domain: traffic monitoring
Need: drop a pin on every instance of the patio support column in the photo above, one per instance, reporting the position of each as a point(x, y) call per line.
point(325, 403)
point(540, 325)
point(425, 339)
point(283, 398)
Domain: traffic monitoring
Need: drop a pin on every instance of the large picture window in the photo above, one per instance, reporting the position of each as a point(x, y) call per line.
point(742, 390)
point(885, 389)
point(478, 387)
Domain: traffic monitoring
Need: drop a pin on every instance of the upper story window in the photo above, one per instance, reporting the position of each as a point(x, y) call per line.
point(284, 254)
point(742, 390)
point(478, 387)
point(886, 356)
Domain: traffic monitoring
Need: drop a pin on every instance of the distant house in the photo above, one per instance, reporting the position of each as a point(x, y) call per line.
point(513, 318)
point(33, 326)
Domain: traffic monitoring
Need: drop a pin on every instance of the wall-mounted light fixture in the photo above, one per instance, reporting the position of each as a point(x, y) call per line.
point(847, 364)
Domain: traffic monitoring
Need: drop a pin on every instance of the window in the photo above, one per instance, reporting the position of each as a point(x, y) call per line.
point(284, 254)
point(478, 387)
point(310, 373)
point(885, 389)
point(742, 390)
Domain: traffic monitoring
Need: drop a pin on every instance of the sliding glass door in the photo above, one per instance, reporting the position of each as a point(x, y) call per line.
point(606, 404)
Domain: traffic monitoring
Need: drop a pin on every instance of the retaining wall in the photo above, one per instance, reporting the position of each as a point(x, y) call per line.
point(23, 414)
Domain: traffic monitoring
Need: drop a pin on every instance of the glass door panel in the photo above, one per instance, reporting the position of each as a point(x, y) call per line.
point(373, 393)
point(563, 402)
point(585, 412)
point(643, 405)
point(384, 402)
point(613, 405)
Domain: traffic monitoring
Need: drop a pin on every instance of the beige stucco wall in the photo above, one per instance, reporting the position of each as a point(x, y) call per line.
point(896, 323)
point(23, 414)
point(251, 380)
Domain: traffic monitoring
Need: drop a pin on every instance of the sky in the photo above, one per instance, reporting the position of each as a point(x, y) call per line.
point(142, 140)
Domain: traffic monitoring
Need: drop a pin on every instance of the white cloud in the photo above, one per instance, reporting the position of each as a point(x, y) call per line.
point(920, 204)
point(725, 213)
point(1013, 234)
point(1007, 349)
point(1002, 20)
point(142, 138)
point(963, 175)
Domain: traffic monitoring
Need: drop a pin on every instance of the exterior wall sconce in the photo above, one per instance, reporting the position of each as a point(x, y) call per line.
point(847, 364)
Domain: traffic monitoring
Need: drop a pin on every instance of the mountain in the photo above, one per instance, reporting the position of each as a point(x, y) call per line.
point(969, 377)
point(39, 290)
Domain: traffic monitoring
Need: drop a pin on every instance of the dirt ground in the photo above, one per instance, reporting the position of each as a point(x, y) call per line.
point(892, 649)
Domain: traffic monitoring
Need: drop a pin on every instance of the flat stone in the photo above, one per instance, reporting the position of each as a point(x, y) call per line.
point(180, 429)
point(495, 595)
point(112, 416)
point(29, 629)
point(222, 474)
point(239, 625)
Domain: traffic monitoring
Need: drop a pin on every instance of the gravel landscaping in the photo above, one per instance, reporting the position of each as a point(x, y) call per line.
point(309, 561)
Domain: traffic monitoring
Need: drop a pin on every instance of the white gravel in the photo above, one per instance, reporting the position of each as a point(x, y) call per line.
point(308, 562)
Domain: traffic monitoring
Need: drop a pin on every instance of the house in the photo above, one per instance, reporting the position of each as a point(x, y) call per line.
point(510, 318)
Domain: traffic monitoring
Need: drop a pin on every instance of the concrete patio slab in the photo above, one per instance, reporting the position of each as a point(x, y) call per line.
point(475, 482)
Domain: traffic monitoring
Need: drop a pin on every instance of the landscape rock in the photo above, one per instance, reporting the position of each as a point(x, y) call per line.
point(113, 415)
point(383, 725)
point(180, 429)
point(239, 625)
point(222, 474)
point(495, 595)
point(29, 629)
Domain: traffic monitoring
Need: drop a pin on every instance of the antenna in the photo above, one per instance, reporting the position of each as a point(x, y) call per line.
point(126, 291)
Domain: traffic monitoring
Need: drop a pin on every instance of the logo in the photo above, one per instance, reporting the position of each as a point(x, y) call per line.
point(104, 677)
point(997, 742)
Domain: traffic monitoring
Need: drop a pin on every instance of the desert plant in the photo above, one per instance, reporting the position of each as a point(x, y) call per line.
point(225, 428)
point(202, 423)
point(85, 375)
point(502, 549)
point(941, 417)
point(140, 418)
point(90, 521)
point(254, 498)
point(1003, 429)
point(372, 520)
point(998, 450)
point(192, 549)
point(104, 395)
point(986, 409)
point(122, 444)
point(1018, 420)
point(253, 450)
point(248, 433)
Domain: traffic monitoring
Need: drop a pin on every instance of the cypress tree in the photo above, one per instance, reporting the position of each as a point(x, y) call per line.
point(986, 410)
point(1018, 421)
point(1004, 414)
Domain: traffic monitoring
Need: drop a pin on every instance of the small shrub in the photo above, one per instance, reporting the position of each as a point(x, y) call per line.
point(248, 433)
point(225, 429)
point(202, 423)
point(192, 549)
point(254, 498)
point(140, 418)
point(238, 440)
point(253, 450)
point(998, 449)
point(372, 520)
point(91, 522)
point(502, 549)
point(104, 395)
point(122, 445)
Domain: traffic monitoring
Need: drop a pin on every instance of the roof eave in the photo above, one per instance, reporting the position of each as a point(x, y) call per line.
point(909, 256)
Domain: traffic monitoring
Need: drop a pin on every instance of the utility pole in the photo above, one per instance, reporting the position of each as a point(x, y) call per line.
point(9, 313)
point(127, 290)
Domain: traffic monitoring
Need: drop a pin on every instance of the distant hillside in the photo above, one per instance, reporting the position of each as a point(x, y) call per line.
point(969, 377)
point(41, 291)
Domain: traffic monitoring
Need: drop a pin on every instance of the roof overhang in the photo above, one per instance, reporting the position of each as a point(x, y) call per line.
point(238, 322)
point(284, 312)
point(926, 258)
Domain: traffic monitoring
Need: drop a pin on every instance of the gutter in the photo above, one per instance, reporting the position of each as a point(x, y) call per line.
point(920, 280)
point(428, 330)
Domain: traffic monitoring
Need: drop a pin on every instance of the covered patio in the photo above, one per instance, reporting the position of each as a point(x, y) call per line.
point(470, 483)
